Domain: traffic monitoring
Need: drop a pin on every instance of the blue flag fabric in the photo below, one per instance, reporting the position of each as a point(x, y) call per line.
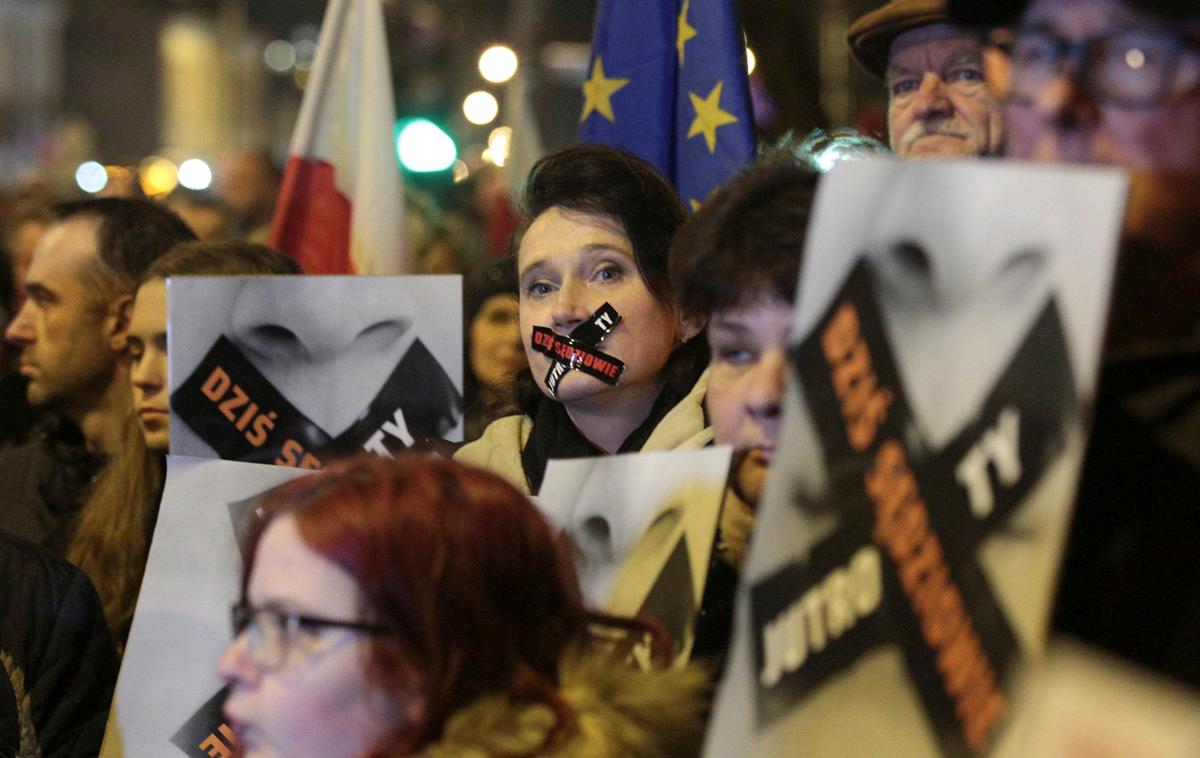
point(667, 82)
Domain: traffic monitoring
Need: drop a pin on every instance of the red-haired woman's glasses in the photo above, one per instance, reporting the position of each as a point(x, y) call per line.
point(273, 635)
point(1133, 67)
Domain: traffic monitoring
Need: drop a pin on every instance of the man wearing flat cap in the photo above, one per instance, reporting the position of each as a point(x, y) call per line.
point(939, 104)
point(1101, 81)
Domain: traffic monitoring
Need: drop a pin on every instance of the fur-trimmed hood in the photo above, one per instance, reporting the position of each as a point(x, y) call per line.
point(620, 712)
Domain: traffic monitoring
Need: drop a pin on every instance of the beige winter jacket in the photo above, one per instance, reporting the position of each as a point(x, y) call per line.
point(499, 449)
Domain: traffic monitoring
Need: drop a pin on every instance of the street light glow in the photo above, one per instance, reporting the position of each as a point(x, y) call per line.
point(91, 177)
point(498, 63)
point(480, 107)
point(195, 174)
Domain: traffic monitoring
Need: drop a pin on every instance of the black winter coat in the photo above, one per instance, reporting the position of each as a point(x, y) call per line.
point(58, 664)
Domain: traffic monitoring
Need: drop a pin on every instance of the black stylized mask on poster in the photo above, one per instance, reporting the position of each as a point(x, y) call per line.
point(206, 734)
point(902, 568)
point(234, 408)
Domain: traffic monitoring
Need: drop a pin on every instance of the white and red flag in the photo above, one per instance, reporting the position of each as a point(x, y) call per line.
point(341, 206)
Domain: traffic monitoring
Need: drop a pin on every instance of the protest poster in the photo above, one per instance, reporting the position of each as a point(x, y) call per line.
point(168, 698)
point(295, 371)
point(946, 341)
point(643, 527)
point(1084, 702)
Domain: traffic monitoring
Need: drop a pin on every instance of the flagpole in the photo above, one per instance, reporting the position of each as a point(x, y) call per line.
point(331, 32)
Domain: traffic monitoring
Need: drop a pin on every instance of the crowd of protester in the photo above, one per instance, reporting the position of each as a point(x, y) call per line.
point(421, 606)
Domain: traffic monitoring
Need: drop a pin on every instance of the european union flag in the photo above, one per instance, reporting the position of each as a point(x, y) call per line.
point(667, 82)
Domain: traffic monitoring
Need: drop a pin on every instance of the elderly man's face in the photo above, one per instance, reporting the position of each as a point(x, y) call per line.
point(1066, 116)
point(938, 102)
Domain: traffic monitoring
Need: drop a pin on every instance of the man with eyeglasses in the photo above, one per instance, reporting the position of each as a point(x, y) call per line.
point(1118, 82)
point(1102, 81)
point(939, 104)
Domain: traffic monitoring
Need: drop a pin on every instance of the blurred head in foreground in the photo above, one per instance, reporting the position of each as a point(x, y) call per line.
point(382, 596)
point(1112, 82)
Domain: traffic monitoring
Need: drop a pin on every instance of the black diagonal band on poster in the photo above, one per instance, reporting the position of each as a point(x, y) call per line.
point(939, 606)
point(671, 600)
point(206, 734)
point(813, 619)
point(934, 607)
point(991, 465)
point(981, 476)
point(230, 405)
point(236, 410)
point(417, 400)
point(588, 334)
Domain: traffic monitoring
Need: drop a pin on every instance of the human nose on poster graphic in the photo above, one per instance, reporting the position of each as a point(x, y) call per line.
point(313, 322)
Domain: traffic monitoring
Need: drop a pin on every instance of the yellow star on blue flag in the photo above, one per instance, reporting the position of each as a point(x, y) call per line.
point(683, 102)
point(598, 91)
point(686, 31)
point(709, 117)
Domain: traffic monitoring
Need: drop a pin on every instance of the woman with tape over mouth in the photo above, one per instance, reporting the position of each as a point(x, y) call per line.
point(416, 606)
point(591, 255)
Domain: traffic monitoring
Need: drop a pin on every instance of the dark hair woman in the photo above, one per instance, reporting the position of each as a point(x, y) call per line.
point(596, 224)
point(416, 606)
point(491, 345)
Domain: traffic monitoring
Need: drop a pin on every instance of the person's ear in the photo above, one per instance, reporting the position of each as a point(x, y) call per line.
point(116, 322)
point(409, 702)
point(689, 327)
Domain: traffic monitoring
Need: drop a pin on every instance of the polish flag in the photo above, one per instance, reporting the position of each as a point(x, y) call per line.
point(341, 206)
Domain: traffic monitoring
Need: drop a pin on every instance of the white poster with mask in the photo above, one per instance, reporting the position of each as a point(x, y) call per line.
point(946, 344)
point(1082, 701)
point(168, 699)
point(295, 371)
point(643, 527)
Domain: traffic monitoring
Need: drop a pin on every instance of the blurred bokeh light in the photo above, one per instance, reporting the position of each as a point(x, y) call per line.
point(158, 176)
point(498, 64)
point(195, 174)
point(91, 177)
point(480, 107)
point(423, 147)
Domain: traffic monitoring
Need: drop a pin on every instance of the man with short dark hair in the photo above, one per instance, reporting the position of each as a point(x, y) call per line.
point(71, 333)
point(939, 104)
point(22, 230)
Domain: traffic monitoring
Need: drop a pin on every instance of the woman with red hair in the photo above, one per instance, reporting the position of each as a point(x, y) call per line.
point(420, 607)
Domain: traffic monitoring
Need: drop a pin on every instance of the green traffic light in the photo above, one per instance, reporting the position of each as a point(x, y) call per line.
point(424, 147)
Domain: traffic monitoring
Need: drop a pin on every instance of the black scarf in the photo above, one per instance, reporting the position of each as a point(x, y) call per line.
point(72, 466)
point(69, 471)
point(554, 434)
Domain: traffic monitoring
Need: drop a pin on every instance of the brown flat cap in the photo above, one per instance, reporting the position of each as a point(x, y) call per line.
point(870, 36)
